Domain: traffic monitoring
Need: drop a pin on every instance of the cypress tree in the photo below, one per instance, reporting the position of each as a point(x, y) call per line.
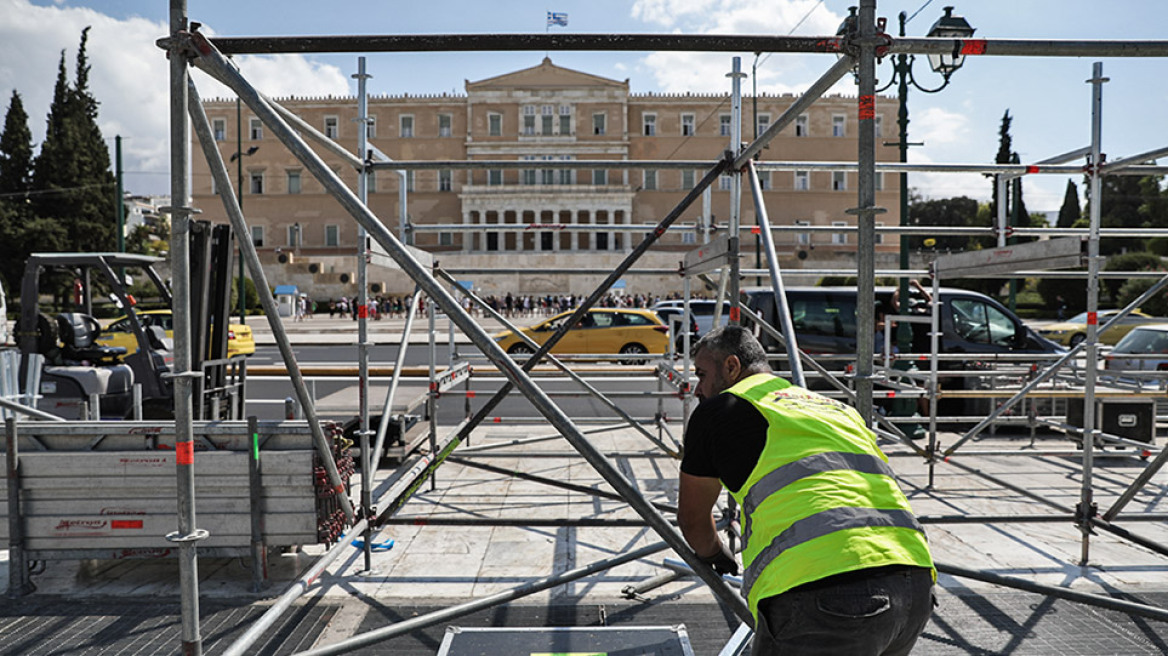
point(15, 183)
point(1071, 211)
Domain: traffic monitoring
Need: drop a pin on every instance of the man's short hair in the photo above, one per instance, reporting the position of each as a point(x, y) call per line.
point(738, 341)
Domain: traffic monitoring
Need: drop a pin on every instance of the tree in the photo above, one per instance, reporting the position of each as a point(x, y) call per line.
point(15, 183)
point(1071, 210)
point(71, 174)
point(958, 212)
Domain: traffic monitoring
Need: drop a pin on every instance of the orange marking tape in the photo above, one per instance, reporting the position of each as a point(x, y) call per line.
point(867, 108)
point(973, 47)
point(126, 523)
point(184, 453)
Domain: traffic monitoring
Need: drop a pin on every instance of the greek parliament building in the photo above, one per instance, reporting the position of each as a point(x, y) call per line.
point(546, 113)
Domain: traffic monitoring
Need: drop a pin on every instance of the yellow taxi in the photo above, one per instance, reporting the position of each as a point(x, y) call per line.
point(635, 334)
point(240, 340)
point(1074, 330)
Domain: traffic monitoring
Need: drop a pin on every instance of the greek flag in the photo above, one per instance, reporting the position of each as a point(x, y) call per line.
point(557, 18)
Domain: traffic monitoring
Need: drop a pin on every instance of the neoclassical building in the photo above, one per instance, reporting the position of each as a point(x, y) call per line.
point(546, 218)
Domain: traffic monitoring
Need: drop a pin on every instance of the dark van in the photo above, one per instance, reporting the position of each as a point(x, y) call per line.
point(824, 319)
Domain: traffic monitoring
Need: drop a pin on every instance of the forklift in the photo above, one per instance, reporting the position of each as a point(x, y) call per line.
point(78, 378)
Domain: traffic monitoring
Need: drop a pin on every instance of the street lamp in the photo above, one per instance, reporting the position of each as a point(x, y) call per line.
point(237, 157)
point(948, 26)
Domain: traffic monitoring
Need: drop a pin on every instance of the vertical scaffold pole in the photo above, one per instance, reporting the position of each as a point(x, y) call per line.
point(363, 308)
point(866, 210)
point(735, 76)
point(1095, 171)
point(187, 535)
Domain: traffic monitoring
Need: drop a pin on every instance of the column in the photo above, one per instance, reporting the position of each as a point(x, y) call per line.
point(467, 235)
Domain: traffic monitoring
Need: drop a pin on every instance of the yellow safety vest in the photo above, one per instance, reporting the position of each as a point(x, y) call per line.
point(822, 499)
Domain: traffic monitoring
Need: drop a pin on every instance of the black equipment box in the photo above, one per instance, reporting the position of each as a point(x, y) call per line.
point(1131, 419)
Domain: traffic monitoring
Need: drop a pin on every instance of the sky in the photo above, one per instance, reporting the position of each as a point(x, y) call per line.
point(1048, 97)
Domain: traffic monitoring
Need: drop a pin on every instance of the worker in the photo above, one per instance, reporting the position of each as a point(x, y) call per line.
point(835, 562)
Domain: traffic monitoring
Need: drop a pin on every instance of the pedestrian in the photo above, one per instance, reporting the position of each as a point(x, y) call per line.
point(835, 562)
point(1061, 304)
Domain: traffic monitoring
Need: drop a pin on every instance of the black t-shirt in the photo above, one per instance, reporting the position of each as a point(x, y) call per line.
point(724, 439)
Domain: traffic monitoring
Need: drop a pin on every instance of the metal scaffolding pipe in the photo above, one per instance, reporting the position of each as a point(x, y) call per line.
point(539, 585)
point(252, 259)
point(590, 389)
point(1102, 601)
point(398, 364)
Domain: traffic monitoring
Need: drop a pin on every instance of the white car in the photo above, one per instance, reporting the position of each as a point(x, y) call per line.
point(701, 310)
point(1144, 349)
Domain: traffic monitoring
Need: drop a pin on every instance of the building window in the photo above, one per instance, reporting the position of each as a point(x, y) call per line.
point(445, 239)
point(764, 180)
point(565, 120)
point(837, 125)
point(839, 238)
point(294, 239)
point(650, 180)
point(649, 123)
point(293, 182)
point(219, 127)
point(602, 241)
point(687, 125)
point(545, 125)
point(688, 238)
point(256, 129)
point(529, 119)
point(495, 177)
point(409, 181)
point(567, 176)
point(801, 126)
point(257, 183)
point(879, 126)
point(445, 180)
point(445, 125)
point(371, 127)
point(599, 177)
point(687, 179)
point(724, 125)
point(878, 181)
point(407, 126)
point(803, 238)
point(257, 236)
point(371, 182)
point(802, 180)
point(839, 180)
point(764, 122)
point(724, 182)
point(331, 129)
point(879, 235)
point(547, 176)
point(598, 124)
point(495, 125)
point(529, 175)
point(332, 235)
point(492, 241)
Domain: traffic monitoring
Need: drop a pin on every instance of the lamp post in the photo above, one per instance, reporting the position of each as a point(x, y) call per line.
point(237, 157)
point(945, 64)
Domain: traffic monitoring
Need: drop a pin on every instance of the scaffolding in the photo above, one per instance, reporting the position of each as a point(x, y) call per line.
point(185, 46)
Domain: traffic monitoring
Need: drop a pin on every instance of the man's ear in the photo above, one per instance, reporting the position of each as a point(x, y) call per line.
point(732, 368)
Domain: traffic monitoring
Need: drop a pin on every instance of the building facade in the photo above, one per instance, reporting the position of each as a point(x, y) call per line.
point(547, 218)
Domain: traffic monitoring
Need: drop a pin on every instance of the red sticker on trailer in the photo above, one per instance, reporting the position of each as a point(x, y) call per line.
point(1092, 319)
point(184, 453)
point(126, 523)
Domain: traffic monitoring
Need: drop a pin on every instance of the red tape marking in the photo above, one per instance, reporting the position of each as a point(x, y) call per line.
point(735, 314)
point(340, 489)
point(867, 110)
point(973, 47)
point(1092, 319)
point(470, 394)
point(184, 453)
point(754, 230)
point(1032, 169)
point(362, 312)
point(498, 420)
point(126, 523)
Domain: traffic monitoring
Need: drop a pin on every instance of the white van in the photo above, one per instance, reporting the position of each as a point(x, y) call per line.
point(702, 311)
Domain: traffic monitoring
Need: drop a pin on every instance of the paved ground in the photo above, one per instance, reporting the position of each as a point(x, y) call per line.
point(130, 607)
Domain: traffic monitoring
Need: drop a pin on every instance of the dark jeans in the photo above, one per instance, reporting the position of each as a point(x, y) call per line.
point(881, 613)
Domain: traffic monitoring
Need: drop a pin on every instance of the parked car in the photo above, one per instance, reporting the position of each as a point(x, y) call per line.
point(671, 316)
point(631, 333)
point(702, 310)
point(240, 340)
point(1074, 330)
point(1145, 348)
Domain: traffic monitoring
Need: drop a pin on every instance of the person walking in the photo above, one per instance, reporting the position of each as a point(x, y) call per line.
point(835, 562)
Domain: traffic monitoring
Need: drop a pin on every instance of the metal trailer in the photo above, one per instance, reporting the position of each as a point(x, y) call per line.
point(185, 46)
point(105, 490)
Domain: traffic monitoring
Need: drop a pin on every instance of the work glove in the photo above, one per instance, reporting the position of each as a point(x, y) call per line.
point(722, 560)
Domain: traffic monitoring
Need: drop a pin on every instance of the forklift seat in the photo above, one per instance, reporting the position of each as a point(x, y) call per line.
point(79, 333)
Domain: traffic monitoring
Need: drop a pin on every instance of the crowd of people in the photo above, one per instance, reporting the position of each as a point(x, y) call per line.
point(509, 305)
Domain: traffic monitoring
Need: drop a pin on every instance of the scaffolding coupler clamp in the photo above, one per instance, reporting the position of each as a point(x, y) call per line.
point(197, 535)
point(1086, 520)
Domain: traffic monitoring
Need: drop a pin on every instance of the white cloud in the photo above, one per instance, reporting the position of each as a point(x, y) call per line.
point(129, 77)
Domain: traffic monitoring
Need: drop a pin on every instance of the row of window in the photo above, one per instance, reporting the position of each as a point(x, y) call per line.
point(532, 177)
point(547, 124)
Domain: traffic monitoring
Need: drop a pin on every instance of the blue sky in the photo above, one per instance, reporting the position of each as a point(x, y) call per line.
point(1047, 96)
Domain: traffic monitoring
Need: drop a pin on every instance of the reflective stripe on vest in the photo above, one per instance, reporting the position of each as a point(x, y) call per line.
point(818, 463)
point(825, 523)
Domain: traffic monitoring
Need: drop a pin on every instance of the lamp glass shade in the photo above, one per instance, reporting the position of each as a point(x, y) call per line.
point(949, 26)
